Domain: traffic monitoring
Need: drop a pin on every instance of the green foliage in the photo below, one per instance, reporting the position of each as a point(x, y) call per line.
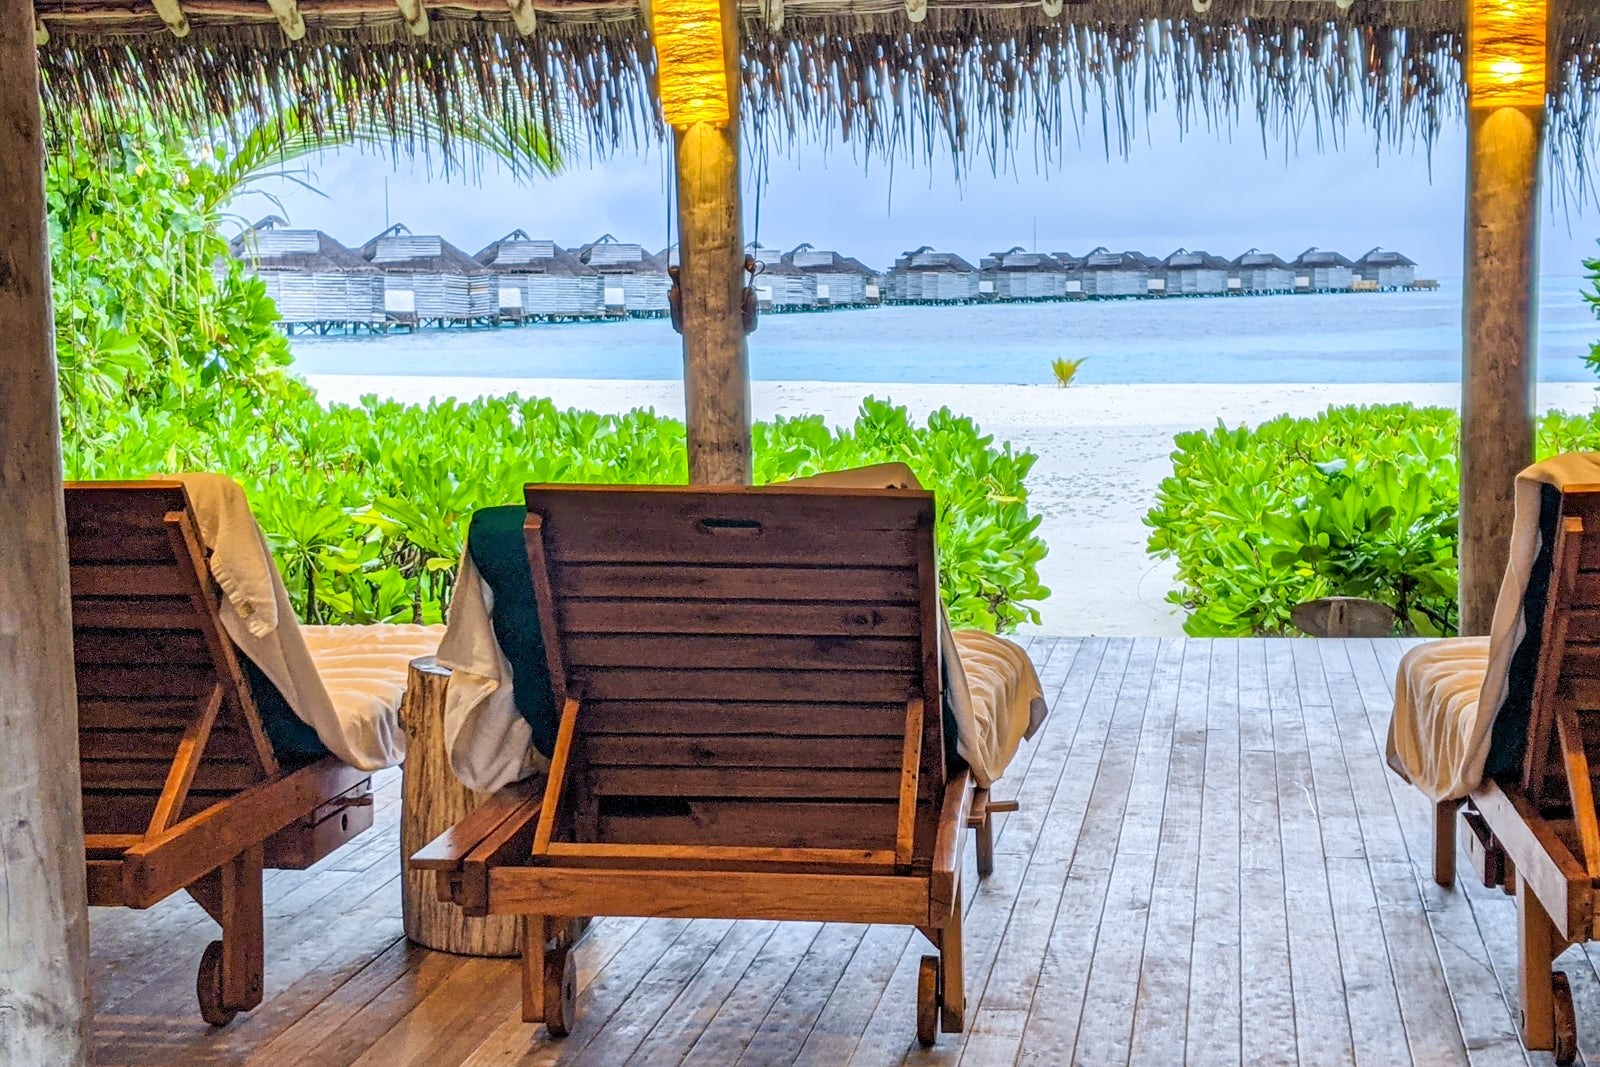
point(1354, 502)
point(170, 362)
point(1357, 501)
point(1066, 369)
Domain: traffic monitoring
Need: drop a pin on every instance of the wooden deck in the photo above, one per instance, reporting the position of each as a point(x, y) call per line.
point(1212, 865)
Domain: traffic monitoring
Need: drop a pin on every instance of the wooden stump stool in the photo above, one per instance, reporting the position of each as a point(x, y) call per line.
point(433, 801)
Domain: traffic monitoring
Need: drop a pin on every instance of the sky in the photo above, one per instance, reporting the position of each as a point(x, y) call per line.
point(1222, 192)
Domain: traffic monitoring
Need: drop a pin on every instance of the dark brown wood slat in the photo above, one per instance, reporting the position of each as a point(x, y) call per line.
point(830, 687)
point(108, 524)
point(128, 580)
point(120, 613)
point(669, 582)
point(735, 617)
point(157, 743)
point(119, 813)
point(1584, 624)
point(794, 719)
point(141, 682)
point(821, 824)
point(131, 714)
point(1586, 591)
point(707, 750)
point(785, 783)
point(694, 527)
point(219, 776)
point(793, 653)
point(166, 647)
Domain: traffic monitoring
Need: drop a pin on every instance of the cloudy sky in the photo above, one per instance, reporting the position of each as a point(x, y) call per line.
point(1222, 191)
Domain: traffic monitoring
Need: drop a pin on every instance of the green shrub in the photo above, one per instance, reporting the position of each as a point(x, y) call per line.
point(1066, 369)
point(1354, 502)
point(1357, 501)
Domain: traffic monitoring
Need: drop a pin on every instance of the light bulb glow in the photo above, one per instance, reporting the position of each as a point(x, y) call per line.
point(691, 74)
point(1507, 53)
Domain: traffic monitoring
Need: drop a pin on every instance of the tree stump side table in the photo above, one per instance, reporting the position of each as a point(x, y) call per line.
point(433, 800)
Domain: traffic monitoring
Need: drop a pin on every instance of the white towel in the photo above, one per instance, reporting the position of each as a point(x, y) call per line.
point(1448, 693)
point(241, 560)
point(488, 741)
point(361, 731)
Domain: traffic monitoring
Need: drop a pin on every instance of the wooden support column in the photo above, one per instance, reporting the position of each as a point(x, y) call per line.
point(1499, 325)
point(716, 364)
point(44, 925)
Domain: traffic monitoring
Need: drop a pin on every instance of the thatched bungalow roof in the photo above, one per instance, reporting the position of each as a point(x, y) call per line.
point(1255, 259)
point(1183, 259)
point(812, 260)
point(608, 255)
point(1104, 259)
point(1019, 260)
point(925, 260)
point(970, 76)
point(518, 253)
point(1379, 258)
point(1316, 257)
point(272, 245)
point(399, 251)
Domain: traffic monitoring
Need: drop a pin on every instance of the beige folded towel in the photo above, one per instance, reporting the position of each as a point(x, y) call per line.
point(241, 560)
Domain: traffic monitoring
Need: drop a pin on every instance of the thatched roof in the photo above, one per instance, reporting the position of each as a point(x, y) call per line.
point(809, 259)
point(272, 245)
point(1183, 259)
point(518, 253)
point(1380, 258)
point(1255, 259)
point(1316, 257)
point(972, 77)
point(1018, 260)
point(1104, 259)
point(399, 251)
point(608, 255)
point(925, 260)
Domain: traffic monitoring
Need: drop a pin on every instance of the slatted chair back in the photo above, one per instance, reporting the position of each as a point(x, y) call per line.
point(166, 722)
point(742, 670)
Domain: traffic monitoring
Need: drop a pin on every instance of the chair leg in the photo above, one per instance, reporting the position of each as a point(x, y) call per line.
point(952, 979)
point(1444, 842)
point(532, 968)
point(1536, 951)
point(984, 836)
point(243, 933)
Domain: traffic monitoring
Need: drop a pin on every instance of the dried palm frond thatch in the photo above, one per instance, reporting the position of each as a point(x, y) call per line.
point(978, 79)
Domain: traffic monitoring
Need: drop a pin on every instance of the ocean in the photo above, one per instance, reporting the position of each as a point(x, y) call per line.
point(1335, 338)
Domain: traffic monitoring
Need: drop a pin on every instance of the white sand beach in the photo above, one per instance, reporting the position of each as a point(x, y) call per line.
point(1103, 450)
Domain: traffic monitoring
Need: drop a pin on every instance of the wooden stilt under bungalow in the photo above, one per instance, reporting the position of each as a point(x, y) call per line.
point(1210, 863)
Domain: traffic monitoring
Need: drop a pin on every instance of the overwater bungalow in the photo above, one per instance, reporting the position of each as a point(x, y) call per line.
point(1260, 272)
point(428, 280)
point(1108, 274)
point(1072, 273)
point(779, 285)
point(1020, 275)
point(535, 279)
point(315, 282)
point(924, 276)
point(837, 280)
point(633, 281)
point(1317, 271)
point(1195, 274)
point(1386, 270)
point(1203, 856)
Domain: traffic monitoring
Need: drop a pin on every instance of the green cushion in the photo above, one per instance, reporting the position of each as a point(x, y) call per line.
point(497, 548)
point(293, 739)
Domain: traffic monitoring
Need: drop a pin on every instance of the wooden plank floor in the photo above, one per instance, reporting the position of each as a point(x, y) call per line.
point(1211, 865)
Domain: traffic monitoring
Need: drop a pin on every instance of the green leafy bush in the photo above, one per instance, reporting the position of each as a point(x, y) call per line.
point(1354, 502)
point(1357, 501)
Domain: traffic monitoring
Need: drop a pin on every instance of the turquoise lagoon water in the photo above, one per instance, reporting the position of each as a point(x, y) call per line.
point(1365, 337)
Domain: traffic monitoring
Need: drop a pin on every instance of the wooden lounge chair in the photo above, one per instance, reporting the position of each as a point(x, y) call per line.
point(1534, 832)
point(182, 788)
point(751, 726)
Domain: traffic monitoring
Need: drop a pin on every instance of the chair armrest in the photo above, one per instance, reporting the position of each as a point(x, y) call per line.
point(447, 851)
point(947, 845)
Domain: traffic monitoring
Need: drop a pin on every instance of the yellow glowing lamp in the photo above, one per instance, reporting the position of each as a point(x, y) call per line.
point(1507, 53)
point(690, 72)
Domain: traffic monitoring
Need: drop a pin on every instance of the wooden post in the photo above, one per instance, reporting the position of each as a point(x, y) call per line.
point(44, 922)
point(716, 365)
point(1499, 319)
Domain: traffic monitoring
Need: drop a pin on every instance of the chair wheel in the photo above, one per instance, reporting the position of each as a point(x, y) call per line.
point(560, 992)
point(208, 987)
point(928, 1001)
point(1566, 1050)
